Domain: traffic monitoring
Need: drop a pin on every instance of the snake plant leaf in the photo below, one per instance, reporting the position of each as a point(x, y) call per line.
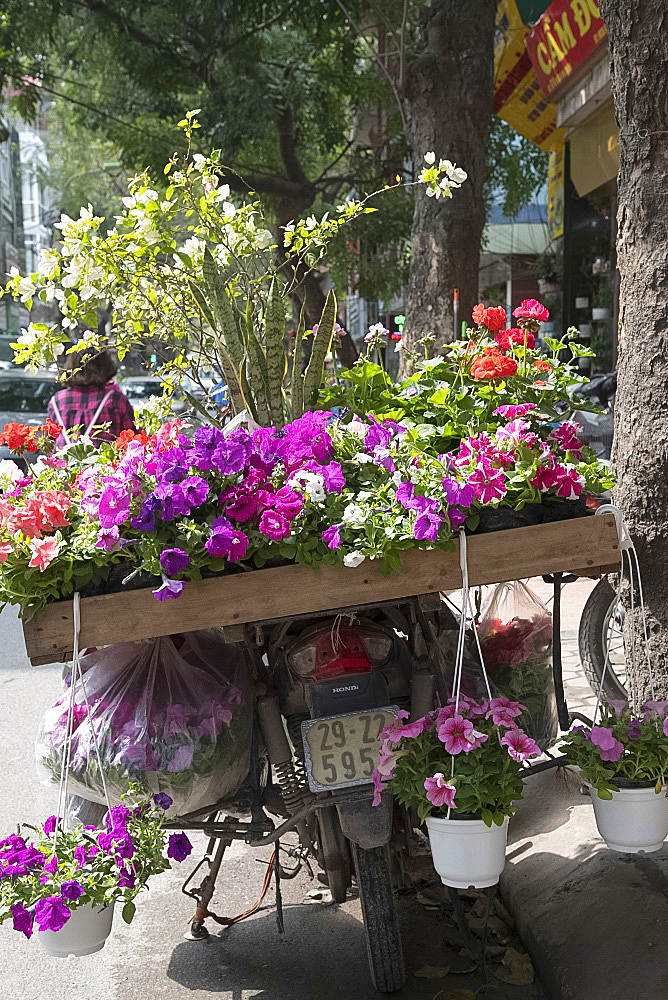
point(202, 304)
point(226, 320)
point(237, 400)
point(297, 379)
point(248, 394)
point(274, 333)
point(257, 371)
point(322, 343)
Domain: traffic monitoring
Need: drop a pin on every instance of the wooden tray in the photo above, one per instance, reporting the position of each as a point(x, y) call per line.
point(587, 546)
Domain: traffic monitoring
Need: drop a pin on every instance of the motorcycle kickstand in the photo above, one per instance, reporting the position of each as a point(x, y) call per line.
point(197, 930)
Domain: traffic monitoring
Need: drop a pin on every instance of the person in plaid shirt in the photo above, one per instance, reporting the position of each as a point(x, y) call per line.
point(90, 401)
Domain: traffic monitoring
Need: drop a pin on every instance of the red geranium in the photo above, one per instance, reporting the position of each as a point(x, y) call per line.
point(516, 335)
point(125, 437)
point(493, 364)
point(543, 366)
point(17, 436)
point(494, 317)
point(531, 309)
point(50, 429)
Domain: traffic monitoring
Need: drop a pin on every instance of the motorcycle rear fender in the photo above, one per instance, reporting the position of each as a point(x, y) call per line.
point(364, 824)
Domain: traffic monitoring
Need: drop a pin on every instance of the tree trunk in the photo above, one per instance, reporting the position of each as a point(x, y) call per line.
point(638, 44)
point(449, 91)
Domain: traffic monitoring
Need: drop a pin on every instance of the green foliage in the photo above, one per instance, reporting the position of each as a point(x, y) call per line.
point(516, 169)
point(642, 750)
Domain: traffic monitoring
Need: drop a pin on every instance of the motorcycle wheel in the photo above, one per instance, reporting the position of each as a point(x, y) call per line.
point(335, 856)
point(381, 920)
point(601, 626)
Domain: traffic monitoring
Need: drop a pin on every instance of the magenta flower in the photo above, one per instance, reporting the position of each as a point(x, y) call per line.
point(427, 524)
point(173, 561)
point(619, 706)
point(454, 733)
point(225, 542)
point(71, 890)
point(377, 787)
point(411, 729)
point(520, 746)
point(51, 913)
point(460, 494)
point(50, 825)
point(332, 536)
point(488, 483)
point(108, 538)
point(439, 792)
point(665, 727)
point(456, 518)
point(653, 709)
point(565, 436)
point(230, 456)
point(602, 737)
point(114, 505)
point(169, 589)
point(513, 708)
point(179, 847)
point(243, 505)
point(23, 919)
point(546, 477)
point(569, 484)
point(288, 502)
point(511, 412)
point(531, 309)
point(274, 525)
point(515, 433)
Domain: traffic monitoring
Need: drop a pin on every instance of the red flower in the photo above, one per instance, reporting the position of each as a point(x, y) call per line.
point(540, 383)
point(493, 318)
point(125, 437)
point(17, 436)
point(543, 366)
point(506, 338)
point(50, 429)
point(492, 364)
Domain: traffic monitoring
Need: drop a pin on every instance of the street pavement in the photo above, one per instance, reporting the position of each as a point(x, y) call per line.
point(321, 955)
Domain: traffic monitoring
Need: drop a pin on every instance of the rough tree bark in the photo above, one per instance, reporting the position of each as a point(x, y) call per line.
point(638, 44)
point(449, 91)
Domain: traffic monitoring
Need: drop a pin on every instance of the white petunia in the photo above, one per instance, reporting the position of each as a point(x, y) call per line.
point(354, 515)
point(430, 158)
point(353, 559)
point(10, 470)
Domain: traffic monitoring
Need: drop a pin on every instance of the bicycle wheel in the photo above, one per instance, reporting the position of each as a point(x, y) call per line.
point(381, 921)
point(601, 629)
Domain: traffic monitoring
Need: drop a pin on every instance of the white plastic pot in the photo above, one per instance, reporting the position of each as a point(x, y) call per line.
point(84, 933)
point(633, 820)
point(466, 853)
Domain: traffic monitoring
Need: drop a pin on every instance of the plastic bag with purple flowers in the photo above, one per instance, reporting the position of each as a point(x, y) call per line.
point(173, 714)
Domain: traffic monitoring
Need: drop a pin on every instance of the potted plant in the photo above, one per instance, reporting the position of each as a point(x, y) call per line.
point(66, 883)
point(461, 768)
point(624, 760)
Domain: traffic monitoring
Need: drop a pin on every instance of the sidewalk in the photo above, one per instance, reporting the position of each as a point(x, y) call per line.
point(595, 922)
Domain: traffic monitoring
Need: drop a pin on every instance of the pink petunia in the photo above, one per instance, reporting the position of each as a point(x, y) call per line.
point(603, 738)
point(511, 412)
point(44, 551)
point(569, 484)
point(439, 792)
point(411, 729)
point(377, 787)
point(454, 734)
point(488, 483)
point(520, 746)
point(5, 551)
point(531, 309)
point(665, 727)
point(546, 477)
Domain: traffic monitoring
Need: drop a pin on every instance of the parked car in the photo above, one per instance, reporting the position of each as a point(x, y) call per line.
point(23, 399)
point(139, 388)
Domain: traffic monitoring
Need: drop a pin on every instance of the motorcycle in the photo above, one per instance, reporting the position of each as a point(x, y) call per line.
point(326, 686)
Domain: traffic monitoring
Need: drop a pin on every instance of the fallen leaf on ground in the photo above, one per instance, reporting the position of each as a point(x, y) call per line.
point(432, 972)
point(515, 969)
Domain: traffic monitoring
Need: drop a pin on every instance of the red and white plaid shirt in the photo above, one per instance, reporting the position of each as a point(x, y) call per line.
point(75, 406)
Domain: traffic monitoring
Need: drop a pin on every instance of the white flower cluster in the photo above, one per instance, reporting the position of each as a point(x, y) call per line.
point(441, 180)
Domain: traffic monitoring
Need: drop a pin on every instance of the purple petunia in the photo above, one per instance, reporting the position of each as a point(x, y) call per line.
point(162, 800)
point(169, 589)
point(114, 505)
point(427, 524)
point(51, 913)
point(225, 542)
point(274, 525)
point(71, 890)
point(173, 561)
point(50, 825)
point(23, 919)
point(332, 536)
point(179, 847)
point(458, 493)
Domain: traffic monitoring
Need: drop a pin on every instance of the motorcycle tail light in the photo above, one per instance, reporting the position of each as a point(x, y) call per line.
point(378, 647)
point(344, 651)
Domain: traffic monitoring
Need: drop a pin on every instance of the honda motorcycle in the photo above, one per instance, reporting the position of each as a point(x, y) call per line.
point(326, 686)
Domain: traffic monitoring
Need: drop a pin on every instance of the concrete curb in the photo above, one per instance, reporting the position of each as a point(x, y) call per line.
point(595, 922)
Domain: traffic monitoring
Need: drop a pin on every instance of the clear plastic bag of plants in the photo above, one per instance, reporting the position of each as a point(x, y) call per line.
point(172, 714)
point(516, 640)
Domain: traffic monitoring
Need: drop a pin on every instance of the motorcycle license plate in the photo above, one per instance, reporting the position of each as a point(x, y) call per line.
point(343, 750)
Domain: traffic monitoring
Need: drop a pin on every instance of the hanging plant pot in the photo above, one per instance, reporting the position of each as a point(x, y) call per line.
point(635, 819)
point(466, 853)
point(84, 933)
